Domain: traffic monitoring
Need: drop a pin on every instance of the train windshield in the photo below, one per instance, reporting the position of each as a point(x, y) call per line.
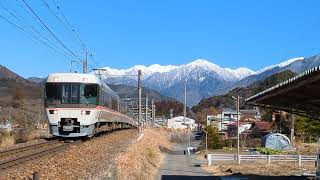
point(71, 93)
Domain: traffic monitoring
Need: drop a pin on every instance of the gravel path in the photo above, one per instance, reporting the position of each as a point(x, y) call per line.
point(93, 159)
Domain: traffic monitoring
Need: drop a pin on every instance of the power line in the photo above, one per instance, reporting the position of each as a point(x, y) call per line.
point(67, 29)
point(95, 62)
point(27, 33)
point(57, 39)
point(66, 20)
point(32, 31)
point(18, 27)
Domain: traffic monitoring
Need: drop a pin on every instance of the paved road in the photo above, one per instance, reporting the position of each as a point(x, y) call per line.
point(177, 163)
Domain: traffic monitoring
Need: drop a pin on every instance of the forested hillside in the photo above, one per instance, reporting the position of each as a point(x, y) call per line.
point(226, 101)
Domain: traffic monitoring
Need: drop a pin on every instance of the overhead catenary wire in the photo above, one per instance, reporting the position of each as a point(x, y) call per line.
point(48, 29)
point(69, 24)
point(46, 34)
point(32, 31)
point(28, 34)
point(65, 27)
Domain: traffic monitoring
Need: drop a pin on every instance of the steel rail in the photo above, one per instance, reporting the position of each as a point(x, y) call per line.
point(16, 150)
point(8, 163)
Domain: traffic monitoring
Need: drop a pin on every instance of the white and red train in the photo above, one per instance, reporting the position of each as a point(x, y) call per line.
point(79, 105)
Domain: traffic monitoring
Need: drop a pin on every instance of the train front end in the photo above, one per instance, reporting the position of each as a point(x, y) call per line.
point(71, 100)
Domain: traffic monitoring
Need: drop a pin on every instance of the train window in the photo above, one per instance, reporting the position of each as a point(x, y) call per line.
point(70, 93)
point(115, 104)
point(89, 93)
point(75, 94)
point(110, 101)
point(52, 92)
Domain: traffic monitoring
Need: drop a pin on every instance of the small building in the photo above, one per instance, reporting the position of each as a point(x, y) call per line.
point(233, 127)
point(224, 114)
point(6, 127)
point(250, 114)
point(180, 122)
point(262, 128)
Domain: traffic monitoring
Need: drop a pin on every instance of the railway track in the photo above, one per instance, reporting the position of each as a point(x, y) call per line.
point(12, 157)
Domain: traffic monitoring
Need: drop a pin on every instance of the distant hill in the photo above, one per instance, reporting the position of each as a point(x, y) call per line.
point(37, 80)
point(226, 101)
point(13, 85)
point(5, 73)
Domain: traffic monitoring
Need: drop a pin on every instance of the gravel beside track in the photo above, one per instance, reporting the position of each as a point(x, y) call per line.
point(16, 151)
point(91, 159)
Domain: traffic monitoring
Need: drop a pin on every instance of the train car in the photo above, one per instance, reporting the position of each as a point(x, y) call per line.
point(79, 105)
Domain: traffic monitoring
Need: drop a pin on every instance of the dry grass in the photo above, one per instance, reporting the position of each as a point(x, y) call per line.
point(307, 148)
point(260, 168)
point(7, 139)
point(142, 159)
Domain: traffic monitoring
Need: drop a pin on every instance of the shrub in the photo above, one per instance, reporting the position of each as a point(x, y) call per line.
point(230, 143)
point(269, 151)
point(214, 140)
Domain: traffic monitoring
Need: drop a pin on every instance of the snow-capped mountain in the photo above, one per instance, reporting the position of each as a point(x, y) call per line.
point(296, 65)
point(280, 65)
point(183, 70)
point(203, 78)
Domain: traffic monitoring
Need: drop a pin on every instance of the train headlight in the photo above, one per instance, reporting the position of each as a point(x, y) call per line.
point(85, 112)
point(53, 111)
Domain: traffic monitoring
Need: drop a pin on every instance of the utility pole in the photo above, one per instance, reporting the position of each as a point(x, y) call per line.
point(152, 110)
point(147, 109)
point(238, 133)
point(185, 111)
point(221, 123)
point(154, 114)
point(292, 130)
point(185, 102)
point(85, 64)
point(139, 100)
point(71, 64)
point(99, 71)
point(206, 142)
point(238, 125)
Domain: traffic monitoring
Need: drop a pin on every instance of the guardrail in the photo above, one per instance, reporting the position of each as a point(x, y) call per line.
point(269, 158)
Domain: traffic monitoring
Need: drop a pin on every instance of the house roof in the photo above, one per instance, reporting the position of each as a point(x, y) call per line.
point(263, 125)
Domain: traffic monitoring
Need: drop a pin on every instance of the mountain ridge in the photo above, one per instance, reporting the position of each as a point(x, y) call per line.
point(203, 78)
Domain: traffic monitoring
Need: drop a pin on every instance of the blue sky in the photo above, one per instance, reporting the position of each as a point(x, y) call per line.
point(120, 34)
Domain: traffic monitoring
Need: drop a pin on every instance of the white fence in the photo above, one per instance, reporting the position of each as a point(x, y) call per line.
point(268, 158)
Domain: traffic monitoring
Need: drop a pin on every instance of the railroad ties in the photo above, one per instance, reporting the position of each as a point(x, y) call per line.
point(15, 156)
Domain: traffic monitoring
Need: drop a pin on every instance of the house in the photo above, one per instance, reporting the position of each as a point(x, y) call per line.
point(181, 123)
point(250, 115)
point(222, 119)
point(233, 127)
point(223, 114)
point(262, 128)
